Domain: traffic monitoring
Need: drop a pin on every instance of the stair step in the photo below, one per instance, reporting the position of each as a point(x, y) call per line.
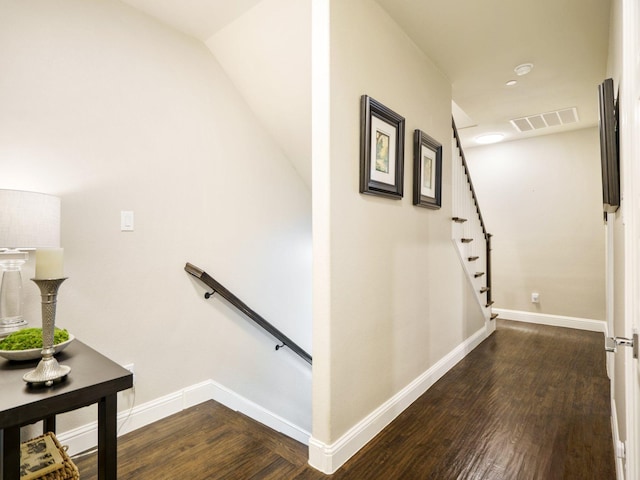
point(484, 289)
point(489, 304)
point(478, 274)
point(494, 316)
point(459, 219)
point(466, 240)
point(473, 259)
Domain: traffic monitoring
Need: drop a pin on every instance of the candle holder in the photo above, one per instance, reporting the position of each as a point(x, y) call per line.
point(48, 370)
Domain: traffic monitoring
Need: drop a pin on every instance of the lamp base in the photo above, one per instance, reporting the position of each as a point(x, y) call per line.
point(48, 372)
point(11, 262)
point(8, 327)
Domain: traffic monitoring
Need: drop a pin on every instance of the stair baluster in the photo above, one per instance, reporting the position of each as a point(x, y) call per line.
point(469, 231)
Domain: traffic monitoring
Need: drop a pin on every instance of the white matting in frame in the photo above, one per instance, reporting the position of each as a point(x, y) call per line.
point(381, 149)
point(383, 154)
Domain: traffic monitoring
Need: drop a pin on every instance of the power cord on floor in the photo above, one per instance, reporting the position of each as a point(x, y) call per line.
point(94, 450)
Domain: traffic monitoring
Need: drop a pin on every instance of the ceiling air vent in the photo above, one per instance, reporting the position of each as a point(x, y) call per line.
point(544, 120)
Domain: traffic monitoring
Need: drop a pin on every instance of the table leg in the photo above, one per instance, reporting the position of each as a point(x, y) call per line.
point(49, 424)
point(10, 453)
point(107, 438)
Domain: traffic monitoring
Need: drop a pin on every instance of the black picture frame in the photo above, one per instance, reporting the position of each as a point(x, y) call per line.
point(610, 160)
point(427, 171)
point(381, 149)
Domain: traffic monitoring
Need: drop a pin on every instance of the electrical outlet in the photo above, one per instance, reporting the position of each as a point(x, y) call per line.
point(535, 297)
point(129, 367)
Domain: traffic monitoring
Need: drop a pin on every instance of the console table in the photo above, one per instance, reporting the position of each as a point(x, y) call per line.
point(93, 379)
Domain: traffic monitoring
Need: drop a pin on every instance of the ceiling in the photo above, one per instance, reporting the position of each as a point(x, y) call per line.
point(198, 18)
point(476, 44)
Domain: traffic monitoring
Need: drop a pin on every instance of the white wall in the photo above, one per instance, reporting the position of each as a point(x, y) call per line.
point(393, 299)
point(541, 198)
point(112, 111)
point(267, 54)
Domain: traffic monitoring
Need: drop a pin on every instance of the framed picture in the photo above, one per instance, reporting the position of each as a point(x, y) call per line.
point(381, 149)
point(609, 141)
point(427, 171)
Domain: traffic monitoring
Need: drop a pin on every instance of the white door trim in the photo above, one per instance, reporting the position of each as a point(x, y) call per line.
point(629, 149)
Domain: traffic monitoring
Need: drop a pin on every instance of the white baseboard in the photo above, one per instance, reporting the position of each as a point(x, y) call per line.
point(617, 444)
point(86, 437)
point(552, 320)
point(211, 390)
point(328, 458)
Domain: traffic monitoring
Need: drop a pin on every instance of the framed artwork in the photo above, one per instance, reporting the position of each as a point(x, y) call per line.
point(610, 161)
point(427, 171)
point(381, 150)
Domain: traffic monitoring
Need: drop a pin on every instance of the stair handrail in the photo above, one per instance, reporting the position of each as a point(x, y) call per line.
point(487, 235)
point(466, 169)
point(217, 287)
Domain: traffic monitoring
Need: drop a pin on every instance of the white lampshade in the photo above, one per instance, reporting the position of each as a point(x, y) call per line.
point(29, 220)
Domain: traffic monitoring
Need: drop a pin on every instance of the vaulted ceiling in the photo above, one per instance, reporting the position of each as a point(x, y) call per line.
point(198, 18)
point(476, 44)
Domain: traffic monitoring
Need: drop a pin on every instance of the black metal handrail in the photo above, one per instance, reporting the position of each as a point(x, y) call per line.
point(217, 287)
point(466, 169)
point(487, 235)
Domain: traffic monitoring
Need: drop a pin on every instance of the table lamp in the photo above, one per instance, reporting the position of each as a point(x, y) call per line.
point(28, 220)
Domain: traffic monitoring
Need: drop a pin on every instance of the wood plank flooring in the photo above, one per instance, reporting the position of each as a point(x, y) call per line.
point(530, 403)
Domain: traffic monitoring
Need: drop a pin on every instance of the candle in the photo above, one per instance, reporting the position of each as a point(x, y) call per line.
point(49, 263)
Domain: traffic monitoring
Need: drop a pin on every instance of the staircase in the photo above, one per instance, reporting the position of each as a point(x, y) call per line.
point(468, 230)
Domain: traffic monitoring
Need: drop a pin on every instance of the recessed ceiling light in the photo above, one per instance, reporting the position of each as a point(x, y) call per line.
point(489, 138)
point(511, 83)
point(523, 69)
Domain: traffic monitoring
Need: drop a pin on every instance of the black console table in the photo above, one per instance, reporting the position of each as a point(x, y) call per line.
point(93, 379)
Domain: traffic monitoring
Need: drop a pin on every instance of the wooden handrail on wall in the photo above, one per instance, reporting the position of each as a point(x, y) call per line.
point(240, 305)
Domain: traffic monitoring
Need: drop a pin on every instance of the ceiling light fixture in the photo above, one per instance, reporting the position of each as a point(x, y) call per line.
point(511, 83)
point(489, 138)
point(523, 69)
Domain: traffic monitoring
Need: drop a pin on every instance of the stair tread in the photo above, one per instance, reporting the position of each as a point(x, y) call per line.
point(466, 240)
point(493, 316)
point(473, 259)
point(459, 219)
point(484, 289)
point(478, 274)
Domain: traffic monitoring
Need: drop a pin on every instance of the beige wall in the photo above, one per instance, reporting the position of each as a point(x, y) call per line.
point(267, 54)
point(113, 111)
point(541, 199)
point(394, 297)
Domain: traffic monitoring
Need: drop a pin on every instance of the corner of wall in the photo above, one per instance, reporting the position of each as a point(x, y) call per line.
point(85, 437)
point(329, 458)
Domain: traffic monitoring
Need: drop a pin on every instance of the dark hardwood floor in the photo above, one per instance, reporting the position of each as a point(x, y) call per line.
point(531, 402)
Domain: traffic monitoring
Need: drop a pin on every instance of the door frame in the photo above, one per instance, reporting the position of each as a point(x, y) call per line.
point(629, 125)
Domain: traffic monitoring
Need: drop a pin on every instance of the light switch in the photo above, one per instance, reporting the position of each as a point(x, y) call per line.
point(126, 221)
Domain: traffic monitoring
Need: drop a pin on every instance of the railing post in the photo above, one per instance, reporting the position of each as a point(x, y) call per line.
point(488, 266)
